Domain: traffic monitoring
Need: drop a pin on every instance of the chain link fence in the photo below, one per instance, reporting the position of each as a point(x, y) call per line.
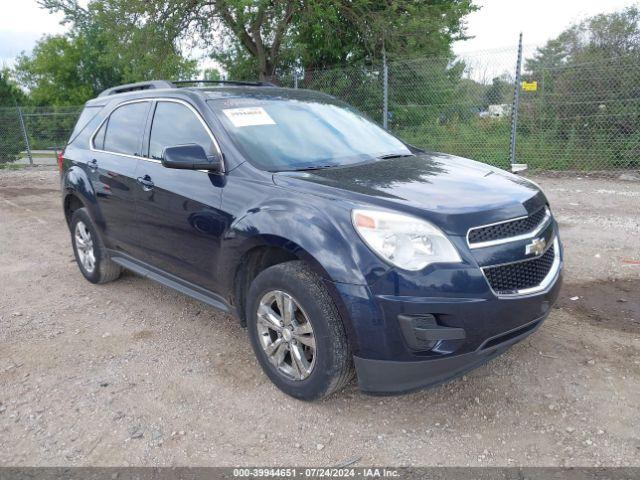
point(11, 135)
point(581, 117)
point(572, 116)
point(31, 134)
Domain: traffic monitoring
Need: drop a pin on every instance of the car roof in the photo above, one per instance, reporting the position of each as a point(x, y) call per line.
point(215, 93)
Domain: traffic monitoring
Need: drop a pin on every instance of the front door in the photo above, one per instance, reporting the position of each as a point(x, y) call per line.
point(178, 211)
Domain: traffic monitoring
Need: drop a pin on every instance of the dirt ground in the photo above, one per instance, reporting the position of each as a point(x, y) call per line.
point(132, 373)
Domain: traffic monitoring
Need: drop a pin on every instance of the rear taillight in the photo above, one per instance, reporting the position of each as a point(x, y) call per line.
point(60, 161)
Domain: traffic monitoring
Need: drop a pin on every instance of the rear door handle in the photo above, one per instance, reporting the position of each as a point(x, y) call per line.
point(146, 183)
point(93, 165)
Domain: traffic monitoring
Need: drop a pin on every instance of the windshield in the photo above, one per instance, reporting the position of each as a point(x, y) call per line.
point(286, 134)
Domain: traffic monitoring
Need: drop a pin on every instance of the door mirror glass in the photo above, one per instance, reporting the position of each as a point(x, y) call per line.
point(189, 157)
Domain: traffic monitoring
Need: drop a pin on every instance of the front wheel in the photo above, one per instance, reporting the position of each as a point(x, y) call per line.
point(296, 332)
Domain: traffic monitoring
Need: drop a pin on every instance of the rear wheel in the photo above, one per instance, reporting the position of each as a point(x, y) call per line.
point(89, 250)
point(296, 332)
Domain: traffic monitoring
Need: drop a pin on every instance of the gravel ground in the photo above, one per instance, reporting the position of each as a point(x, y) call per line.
point(132, 373)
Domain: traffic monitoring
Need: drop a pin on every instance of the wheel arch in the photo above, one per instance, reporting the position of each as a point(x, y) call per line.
point(79, 193)
point(71, 202)
point(260, 253)
point(268, 250)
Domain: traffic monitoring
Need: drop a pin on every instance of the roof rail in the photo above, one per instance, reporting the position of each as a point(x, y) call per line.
point(132, 87)
point(225, 82)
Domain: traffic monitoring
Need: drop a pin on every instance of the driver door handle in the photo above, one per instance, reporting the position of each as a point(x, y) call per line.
point(146, 183)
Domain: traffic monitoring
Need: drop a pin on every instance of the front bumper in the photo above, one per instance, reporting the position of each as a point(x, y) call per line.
point(388, 376)
point(416, 330)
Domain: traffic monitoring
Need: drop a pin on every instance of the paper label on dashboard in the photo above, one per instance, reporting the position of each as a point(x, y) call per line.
point(248, 117)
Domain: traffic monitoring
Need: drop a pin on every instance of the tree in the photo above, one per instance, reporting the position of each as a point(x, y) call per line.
point(11, 141)
point(54, 74)
point(211, 74)
point(499, 91)
point(588, 79)
point(264, 38)
point(10, 93)
point(327, 34)
point(106, 46)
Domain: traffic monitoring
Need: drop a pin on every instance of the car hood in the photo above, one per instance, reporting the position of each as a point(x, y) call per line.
point(453, 192)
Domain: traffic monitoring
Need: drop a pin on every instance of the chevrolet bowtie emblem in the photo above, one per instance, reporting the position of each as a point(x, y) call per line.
point(536, 247)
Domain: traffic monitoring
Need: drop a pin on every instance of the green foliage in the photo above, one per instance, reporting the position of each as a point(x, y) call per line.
point(484, 140)
point(10, 94)
point(342, 32)
point(588, 97)
point(359, 86)
point(11, 141)
point(264, 39)
point(51, 72)
point(107, 45)
point(11, 166)
point(585, 114)
point(211, 74)
point(500, 91)
point(49, 127)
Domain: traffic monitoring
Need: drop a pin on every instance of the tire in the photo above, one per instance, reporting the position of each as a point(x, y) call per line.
point(84, 233)
point(330, 361)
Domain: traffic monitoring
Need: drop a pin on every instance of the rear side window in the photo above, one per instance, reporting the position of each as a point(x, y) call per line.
point(175, 124)
point(85, 117)
point(124, 129)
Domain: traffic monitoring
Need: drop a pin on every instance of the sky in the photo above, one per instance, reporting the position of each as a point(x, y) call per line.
point(22, 23)
point(495, 26)
point(499, 22)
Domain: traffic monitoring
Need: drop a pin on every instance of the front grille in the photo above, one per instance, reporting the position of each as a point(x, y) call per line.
point(508, 279)
point(507, 229)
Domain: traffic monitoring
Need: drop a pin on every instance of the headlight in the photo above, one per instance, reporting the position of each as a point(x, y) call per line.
point(404, 241)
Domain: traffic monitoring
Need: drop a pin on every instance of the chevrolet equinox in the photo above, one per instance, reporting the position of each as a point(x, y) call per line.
point(342, 249)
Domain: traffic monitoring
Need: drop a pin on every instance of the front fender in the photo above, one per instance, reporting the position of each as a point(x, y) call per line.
point(321, 234)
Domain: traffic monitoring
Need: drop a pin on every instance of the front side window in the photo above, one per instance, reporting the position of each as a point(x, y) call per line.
point(124, 129)
point(175, 124)
point(293, 134)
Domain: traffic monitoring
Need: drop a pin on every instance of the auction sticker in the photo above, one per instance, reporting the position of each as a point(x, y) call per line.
point(248, 117)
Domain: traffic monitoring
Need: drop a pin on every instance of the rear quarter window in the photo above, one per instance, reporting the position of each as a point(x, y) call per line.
point(87, 114)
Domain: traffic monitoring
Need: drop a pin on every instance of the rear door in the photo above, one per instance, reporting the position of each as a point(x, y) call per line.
point(178, 211)
point(115, 152)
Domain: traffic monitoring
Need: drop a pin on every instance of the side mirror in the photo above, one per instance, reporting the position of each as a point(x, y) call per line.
point(189, 157)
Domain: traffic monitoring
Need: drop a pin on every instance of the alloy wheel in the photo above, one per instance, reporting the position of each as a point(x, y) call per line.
point(286, 335)
point(84, 247)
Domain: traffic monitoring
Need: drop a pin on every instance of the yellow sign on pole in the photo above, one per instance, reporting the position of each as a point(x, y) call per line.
point(530, 86)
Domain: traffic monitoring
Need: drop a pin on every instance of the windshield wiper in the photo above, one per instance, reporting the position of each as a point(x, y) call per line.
point(312, 167)
point(395, 155)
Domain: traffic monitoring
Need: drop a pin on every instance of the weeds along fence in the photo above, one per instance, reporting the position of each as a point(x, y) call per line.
point(579, 115)
point(34, 131)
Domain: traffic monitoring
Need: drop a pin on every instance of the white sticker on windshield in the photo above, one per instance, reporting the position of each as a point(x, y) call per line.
point(248, 117)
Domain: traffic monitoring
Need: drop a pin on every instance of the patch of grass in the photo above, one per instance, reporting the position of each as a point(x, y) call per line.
point(38, 155)
point(487, 140)
point(12, 166)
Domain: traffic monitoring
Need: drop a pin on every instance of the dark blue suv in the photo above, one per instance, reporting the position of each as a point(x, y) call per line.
point(342, 249)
